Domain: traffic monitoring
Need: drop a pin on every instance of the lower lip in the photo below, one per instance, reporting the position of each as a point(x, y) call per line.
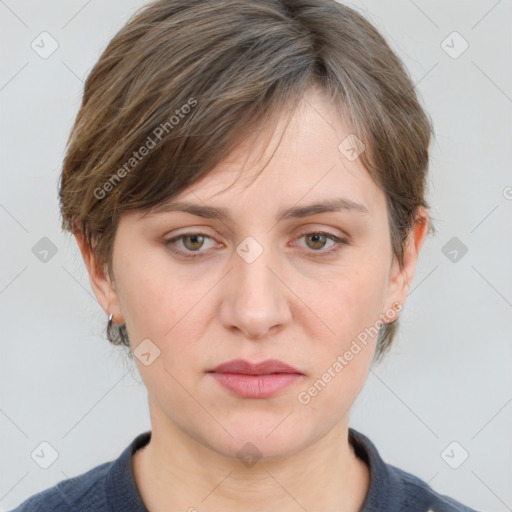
point(256, 386)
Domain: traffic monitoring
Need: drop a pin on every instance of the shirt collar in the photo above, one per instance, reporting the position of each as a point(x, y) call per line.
point(386, 490)
point(120, 486)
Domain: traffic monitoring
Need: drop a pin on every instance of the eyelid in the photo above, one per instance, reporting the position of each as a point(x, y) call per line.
point(339, 242)
point(168, 242)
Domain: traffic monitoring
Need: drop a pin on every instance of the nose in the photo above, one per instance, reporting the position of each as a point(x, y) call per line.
point(256, 300)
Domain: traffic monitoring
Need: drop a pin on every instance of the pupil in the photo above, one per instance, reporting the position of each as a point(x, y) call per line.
point(317, 239)
point(195, 240)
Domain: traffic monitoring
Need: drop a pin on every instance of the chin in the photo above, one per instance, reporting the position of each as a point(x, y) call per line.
point(258, 441)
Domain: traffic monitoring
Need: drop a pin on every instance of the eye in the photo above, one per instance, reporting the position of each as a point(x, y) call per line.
point(317, 240)
point(191, 241)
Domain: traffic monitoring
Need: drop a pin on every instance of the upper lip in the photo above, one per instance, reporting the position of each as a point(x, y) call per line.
point(264, 367)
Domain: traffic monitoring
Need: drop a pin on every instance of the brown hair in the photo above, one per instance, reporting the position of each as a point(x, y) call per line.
point(184, 82)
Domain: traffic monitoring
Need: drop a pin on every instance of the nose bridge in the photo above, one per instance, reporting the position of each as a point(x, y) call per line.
point(257, 301)
point(252, 268)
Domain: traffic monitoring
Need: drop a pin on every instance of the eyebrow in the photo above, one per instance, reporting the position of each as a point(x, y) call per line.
point(222, 214)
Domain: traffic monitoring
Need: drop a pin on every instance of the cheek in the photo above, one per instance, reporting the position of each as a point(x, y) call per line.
point(146, 293)
point(351, 308)
point(159, 306)
point(350, 300)
point(160, 301)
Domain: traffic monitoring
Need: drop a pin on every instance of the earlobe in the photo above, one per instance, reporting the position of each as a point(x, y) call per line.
point(101, 284)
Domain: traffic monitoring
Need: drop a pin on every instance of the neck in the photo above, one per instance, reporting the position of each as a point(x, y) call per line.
point(173, 468)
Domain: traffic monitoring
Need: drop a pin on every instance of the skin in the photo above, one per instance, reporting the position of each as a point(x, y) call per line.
point(290, 304)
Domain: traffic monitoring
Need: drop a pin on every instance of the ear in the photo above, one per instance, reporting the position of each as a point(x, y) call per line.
point(400, 279)
point(102, 285)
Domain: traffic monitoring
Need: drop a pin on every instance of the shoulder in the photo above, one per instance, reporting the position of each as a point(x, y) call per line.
point(418, 495)
point(394, 489)
point(105, 488)
point(81, 493)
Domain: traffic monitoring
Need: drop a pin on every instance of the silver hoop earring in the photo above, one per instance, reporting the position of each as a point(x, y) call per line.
point(110, 320)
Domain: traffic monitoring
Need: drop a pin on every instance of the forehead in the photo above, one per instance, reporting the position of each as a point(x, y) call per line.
point(295, 166)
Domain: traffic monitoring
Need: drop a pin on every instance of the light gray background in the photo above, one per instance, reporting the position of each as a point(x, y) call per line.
point(448, 377)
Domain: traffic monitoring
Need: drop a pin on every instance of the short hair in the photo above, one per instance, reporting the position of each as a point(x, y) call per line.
point(184, 82)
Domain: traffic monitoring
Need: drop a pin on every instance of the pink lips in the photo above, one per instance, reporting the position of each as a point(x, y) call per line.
point(260, 380)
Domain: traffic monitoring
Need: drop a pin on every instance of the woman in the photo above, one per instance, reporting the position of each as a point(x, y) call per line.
point(246, 183)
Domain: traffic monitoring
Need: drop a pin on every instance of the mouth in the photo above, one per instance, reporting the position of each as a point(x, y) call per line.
point(260, 380)
point(266, 367)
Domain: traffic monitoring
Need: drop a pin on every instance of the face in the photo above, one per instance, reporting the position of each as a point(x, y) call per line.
point(198, 291)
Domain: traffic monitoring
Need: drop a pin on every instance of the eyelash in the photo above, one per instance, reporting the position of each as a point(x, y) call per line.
point(338, 241)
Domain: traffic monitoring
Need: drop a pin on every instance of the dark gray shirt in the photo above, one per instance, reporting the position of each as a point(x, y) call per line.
point(110, 487)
